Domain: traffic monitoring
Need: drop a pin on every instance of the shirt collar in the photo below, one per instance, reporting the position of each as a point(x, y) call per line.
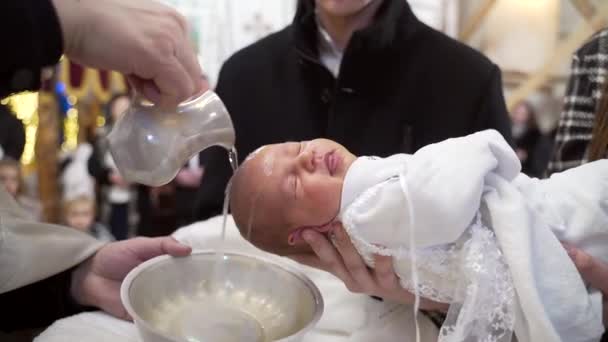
point(393, 18)
point(330, 55)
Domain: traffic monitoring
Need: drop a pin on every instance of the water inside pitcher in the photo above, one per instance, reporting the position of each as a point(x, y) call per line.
point(150, 145)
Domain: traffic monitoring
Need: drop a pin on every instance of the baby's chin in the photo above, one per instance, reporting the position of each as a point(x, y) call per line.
point(299, 248)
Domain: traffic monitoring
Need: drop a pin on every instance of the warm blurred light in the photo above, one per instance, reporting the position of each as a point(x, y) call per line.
point(101, 121)
point(28, 155)
point(70, 130)
point(25, 106)
point(521, 35)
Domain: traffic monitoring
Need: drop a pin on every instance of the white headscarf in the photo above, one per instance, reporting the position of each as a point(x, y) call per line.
point(76, 180)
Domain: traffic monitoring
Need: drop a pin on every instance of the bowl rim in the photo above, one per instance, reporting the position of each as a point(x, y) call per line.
point(134, 273)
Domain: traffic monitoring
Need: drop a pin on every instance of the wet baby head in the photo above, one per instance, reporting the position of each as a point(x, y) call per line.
point(284, 188)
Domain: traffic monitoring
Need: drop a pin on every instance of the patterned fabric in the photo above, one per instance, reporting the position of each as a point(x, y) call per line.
point(588, 74)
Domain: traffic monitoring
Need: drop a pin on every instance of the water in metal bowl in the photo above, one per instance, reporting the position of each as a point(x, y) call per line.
point(233, 298)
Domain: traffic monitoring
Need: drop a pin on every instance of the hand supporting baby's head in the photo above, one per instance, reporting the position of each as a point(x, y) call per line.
point(284, 188)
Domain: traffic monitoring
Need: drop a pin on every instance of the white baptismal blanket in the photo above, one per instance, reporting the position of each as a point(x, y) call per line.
point(484, 237)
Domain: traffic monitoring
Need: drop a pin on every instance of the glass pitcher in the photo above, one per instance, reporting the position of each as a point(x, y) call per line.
point(150, 145)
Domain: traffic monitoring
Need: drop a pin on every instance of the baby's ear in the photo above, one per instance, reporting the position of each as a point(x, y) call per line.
point(295, 237)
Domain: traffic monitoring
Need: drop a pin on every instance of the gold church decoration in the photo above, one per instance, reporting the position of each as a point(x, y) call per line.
point(90, 81)
point(25, 106)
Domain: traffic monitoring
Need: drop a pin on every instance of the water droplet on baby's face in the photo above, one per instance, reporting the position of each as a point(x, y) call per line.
point(268, 163)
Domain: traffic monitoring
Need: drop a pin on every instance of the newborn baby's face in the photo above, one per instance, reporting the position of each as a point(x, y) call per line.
point(293, 185)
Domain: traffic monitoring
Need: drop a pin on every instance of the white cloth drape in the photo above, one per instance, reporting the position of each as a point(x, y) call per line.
point(485, 237)
point(31, 251)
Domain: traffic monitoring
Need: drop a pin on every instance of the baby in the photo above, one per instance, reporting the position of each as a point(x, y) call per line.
point(461, 222)
point(283, 189)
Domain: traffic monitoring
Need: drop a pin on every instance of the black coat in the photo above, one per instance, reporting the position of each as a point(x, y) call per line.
point(402, 85)
point(12, 134)
point(537, 147)
point(31, 40)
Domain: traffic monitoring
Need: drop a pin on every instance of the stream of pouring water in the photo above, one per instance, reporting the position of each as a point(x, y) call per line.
point(219, 269)
point(213, 317)
point(233, 157)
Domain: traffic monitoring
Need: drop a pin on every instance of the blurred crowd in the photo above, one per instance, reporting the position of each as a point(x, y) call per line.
point(95, 198)
point(532, 145)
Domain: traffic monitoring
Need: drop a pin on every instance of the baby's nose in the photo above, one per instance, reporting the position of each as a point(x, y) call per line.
point(306, 160)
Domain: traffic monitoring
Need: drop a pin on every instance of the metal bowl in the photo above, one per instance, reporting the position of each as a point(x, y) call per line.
point(220, 298)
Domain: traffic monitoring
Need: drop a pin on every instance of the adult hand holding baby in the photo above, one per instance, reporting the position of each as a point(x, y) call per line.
point(346, 263)
point(593, 271)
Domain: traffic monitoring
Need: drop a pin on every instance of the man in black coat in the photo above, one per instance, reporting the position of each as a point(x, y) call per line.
point(400, 85)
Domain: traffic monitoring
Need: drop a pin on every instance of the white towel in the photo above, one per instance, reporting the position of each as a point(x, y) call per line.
point(483, 238)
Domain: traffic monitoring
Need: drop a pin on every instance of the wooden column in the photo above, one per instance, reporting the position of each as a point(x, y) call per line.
point(87, 119)
point(473, 23)
point(587, 11)
point(47, 149)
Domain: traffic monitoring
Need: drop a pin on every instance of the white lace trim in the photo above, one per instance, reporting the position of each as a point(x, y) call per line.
point(471, 274)
point(483, 308)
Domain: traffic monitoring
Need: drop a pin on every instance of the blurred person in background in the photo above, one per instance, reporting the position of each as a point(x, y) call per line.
point(79, 213)
point(10, 176)
point(12, 134)
point(532, 146)
point(115, 191)
point(78, 197)
point(161, 215)
point(12, 179)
